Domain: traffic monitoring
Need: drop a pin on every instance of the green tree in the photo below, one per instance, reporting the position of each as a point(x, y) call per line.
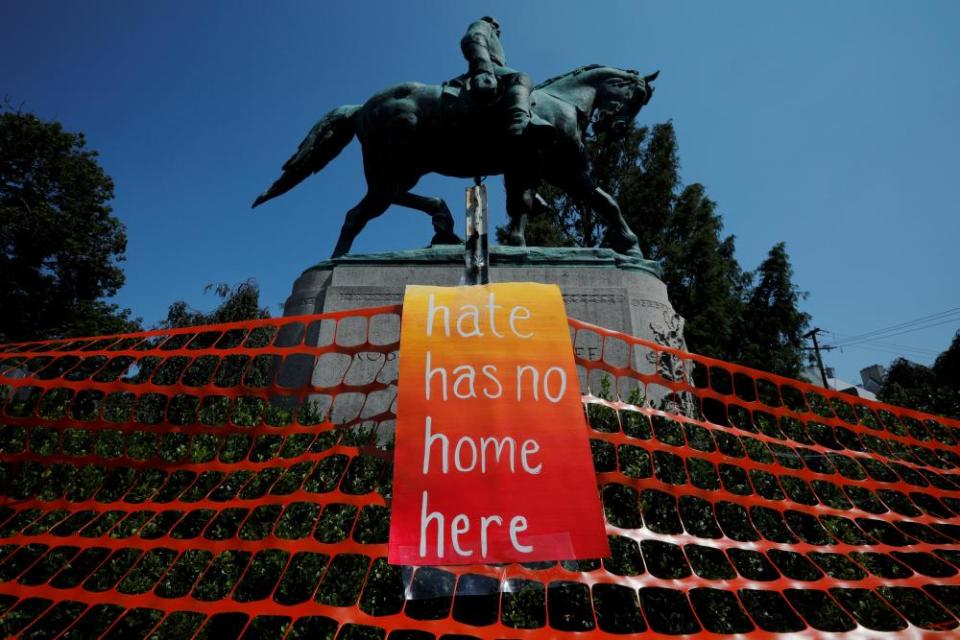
point(680, 226)
point(60, 247)
point(947, 365)
point(702, 275)
point(648, 186)
point(909, 384)
point(239, 302)
point(933, 389)
point(543, 231)
point(771, 327)
point(615, 163)
point(677, 226)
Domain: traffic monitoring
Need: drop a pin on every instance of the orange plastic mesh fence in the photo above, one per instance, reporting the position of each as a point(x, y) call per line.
point(233, 481)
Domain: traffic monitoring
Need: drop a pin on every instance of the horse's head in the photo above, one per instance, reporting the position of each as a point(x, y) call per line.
point(619, 98)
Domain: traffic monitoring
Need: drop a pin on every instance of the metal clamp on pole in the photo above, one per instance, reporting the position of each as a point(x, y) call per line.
point(477, 252)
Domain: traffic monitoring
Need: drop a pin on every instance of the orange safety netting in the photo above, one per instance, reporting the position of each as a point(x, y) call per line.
point(233, 481)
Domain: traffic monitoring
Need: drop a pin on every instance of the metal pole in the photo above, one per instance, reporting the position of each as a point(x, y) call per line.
point(477, 251)
point(816, 349)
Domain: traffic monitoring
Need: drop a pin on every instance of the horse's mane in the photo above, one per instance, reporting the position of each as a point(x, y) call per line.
point(568, 74)
point(576, 72)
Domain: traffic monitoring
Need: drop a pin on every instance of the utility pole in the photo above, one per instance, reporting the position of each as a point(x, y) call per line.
point(816, 349)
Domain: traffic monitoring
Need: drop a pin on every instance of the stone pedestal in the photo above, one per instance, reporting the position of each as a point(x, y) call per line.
point(599, 286)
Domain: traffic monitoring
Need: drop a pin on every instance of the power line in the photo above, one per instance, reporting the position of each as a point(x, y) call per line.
point(898, 347)
point(887, 345)
point(906, 323)
point(885, 331)
point(894, 352)
point(852, 341)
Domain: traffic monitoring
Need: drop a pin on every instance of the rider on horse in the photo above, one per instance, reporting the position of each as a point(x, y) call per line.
point(483, 51)
point(469, 129)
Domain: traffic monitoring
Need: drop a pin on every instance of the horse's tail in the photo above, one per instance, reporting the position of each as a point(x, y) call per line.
point(325, 141)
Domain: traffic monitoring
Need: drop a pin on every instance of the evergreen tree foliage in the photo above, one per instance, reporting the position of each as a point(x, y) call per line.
point(679, 225)
point(239, 302)
point(933, 389)
point(543, 231)
point(60, 247)
point(702, 275)
point(770, 335)
point(947, 365)
point(908, 384)
point(650, 189)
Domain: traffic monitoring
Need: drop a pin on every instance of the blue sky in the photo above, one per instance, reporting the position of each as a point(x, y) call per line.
point(829, 125)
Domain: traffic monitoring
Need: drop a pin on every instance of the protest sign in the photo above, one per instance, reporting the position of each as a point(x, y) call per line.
point(492, 460)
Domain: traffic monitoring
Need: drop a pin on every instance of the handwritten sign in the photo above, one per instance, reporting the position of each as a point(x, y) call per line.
point(492, 460)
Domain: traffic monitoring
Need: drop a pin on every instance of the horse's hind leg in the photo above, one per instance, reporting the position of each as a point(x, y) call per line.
point(437, 209)
point(372, 205)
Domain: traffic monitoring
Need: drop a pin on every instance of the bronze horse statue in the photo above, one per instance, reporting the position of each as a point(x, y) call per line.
point(412, 129)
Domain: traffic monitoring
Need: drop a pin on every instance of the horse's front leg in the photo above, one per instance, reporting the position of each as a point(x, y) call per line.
point(618, 236)
point(520, 203)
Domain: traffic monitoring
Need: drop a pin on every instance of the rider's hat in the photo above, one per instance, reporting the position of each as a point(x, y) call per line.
point(493, 21)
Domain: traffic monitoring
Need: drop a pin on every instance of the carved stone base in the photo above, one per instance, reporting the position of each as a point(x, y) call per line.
point(599, 286)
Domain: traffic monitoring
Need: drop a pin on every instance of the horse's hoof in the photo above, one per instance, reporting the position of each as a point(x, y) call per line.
point(515, 240)
point(627, 246)
point(445, 238)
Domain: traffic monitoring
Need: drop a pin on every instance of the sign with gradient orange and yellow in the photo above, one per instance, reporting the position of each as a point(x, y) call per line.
point(492, 460)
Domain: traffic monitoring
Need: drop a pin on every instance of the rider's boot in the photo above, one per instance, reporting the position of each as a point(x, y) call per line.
point(517, 100)
point(521, 150)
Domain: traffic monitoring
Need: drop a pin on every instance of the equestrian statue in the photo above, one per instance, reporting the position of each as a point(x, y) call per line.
point(489, 121)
